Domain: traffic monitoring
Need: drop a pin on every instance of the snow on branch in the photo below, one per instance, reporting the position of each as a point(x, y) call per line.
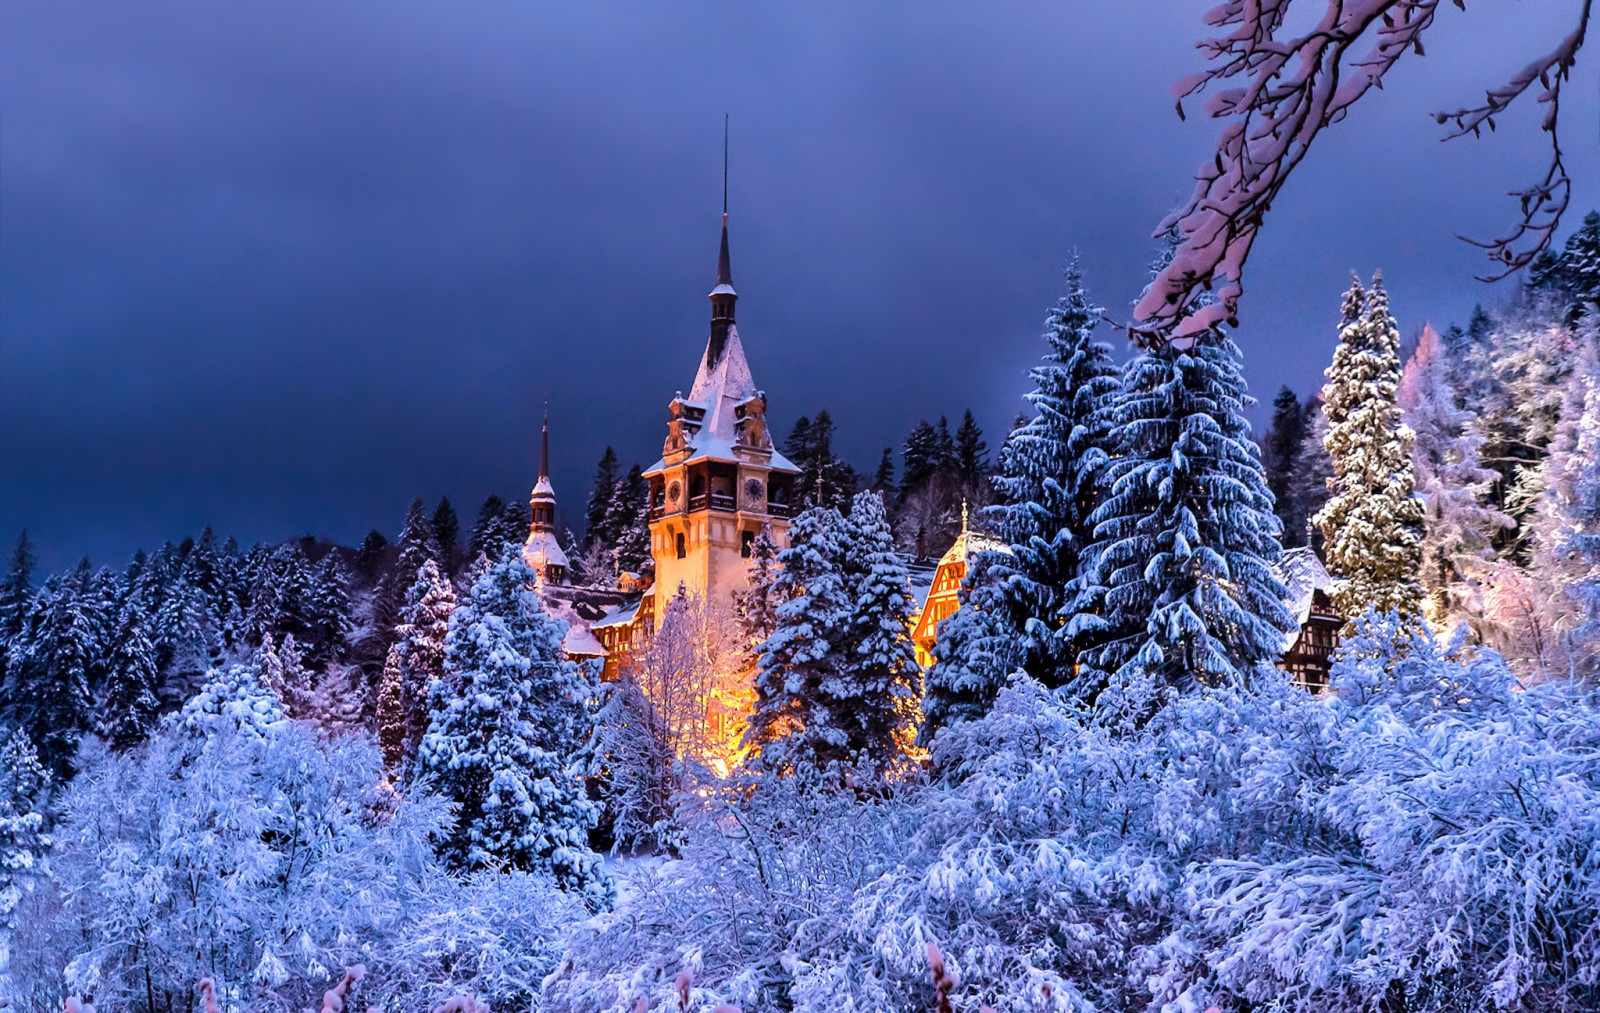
point(1544, 202)
point(1278, 92)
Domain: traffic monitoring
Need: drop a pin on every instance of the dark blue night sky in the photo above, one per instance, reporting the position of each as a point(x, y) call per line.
point(281, 267)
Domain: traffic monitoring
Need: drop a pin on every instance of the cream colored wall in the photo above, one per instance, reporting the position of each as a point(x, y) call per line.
point(712, 567)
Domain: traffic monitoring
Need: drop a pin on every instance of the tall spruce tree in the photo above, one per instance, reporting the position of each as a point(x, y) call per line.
point(16, 591)
point(1186, 538)
point(128, 704)
point(872, 701)
point(1278, 452)
point(1574, 273)
point(1048, 486)
point(447, 532)
point(1567, 553)
point(825, 479)
point(53, 667)
point(628, 521)
point(422, 637)
point(883, 478)
point(971, 454)
point(919, 458)
point(837, 681)
point(1373, 524)
point(497, 526)
point(595, 531)
point(505, 720)
point(800, 656)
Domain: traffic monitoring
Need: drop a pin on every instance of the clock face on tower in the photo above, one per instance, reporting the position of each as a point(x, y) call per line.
point(674, 491)
point(753, 491)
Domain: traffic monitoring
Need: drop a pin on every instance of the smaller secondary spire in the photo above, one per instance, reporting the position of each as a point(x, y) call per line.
point(544, 444)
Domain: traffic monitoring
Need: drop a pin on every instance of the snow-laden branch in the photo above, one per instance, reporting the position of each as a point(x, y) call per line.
point(1278, 92)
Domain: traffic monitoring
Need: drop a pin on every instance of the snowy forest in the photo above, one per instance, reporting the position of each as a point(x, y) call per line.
point(305, 775)
point(370, 772)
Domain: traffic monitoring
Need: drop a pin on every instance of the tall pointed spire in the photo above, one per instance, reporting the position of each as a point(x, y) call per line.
point(544, 445)
point(723, 296)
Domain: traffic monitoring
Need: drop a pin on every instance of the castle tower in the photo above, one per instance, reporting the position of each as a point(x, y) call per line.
point(542, 551)
point(719, 480)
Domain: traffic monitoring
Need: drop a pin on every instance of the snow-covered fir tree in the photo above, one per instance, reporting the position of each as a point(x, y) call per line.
point(52, 665)
point(23, 841)
point(1574, 273)
point(128, 703)
point(837, 681)
point(1372, 526)
point(756, 608)
point(1014, 611)
point(873, 698)
point(508, 718)
point(1458, 526)
point(419, 658)
point(800, 656)
point(1185, 538)
point(391, 711)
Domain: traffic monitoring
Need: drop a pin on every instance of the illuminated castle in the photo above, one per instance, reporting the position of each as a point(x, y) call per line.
point(719, 480)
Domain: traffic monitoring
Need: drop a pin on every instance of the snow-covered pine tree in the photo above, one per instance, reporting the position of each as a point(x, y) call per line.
point(16, 589)
point(1185, 538)
point(422, 637)
point(837, 681)
point(330, 616)
point(872, 701)
point(1575, 271)
point(919, 457)
point(52, 666)
point(1051, 485)
point(1458, 527)
point(628, 521)
point(16, 594)
point(756, 608)
point(1015, 609)
point(128, 702)
point(392, 725)
point(417, 543)
point(595, 533)
point(490, 532)
point(507, 717)
point(801, 656)
point(23, 841)
point(1373, 524)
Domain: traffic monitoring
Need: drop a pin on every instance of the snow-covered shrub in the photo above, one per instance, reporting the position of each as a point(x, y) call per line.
point(271, 864)
point(768, 870)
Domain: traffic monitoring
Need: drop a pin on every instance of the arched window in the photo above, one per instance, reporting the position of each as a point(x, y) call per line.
point(682, 551)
